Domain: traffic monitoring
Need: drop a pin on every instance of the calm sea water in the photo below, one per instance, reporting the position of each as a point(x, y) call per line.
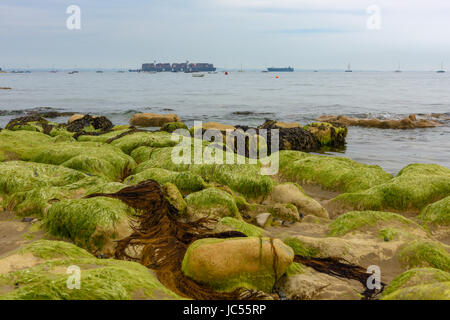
point(297, 96)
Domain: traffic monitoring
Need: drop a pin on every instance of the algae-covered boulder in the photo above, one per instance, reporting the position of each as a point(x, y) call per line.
point(212, 202)
point(437, 213)
point(422, 253)
point(243, 178)
point(172, 126)
point(373, 221)
point(49, 271)
point(332, 173)
point(153, 119)
point(185, 181)
point(129, 142)
point(327, 134)
point(293, 194)
point(88, 157)
point(19, 176)
point(174, 197)
point(239, 225)
point(412, 189)
point(433, 291)
point(415, 277)
point(92, 223)
point(228, 264)
point(141, 154)
point(284, 212)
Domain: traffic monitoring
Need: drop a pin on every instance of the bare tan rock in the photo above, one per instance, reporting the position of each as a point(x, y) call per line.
point(410, 122)
point(75, 117)
point(287, 125)
point(153, 119)
point(290, 193)
point(313, 285)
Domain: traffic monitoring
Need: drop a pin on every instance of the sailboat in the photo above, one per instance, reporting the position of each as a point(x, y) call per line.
point(398, 69)
point(349, 69)
point(241, 70)
point(442, 68)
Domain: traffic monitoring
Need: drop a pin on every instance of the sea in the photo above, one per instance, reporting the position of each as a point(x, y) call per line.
point(250, 97)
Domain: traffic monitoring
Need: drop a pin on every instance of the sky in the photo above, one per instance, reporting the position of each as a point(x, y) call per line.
point(305, 34)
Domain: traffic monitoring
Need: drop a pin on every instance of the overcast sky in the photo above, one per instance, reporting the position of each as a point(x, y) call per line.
point(306, 34)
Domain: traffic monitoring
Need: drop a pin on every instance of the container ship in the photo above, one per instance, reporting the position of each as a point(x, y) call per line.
point(273, 69)
point(177, 67)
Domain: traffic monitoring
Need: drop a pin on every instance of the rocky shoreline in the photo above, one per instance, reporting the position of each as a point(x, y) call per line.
point(110, 200)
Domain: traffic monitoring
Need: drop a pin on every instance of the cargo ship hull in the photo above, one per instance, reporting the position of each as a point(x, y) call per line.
point(178, 67)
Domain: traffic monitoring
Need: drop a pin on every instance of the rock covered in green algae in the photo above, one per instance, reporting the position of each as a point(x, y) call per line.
point(284, 212)
point(327, 134)
point(412, 189)
point(132, 141)
point(433, 291)
point(228, 264)
point(19, 176)
point(425, 253)
point(172, 126)
point(416, 277)
point(141, 154)
point(187, 182)
point(292, 193)
point(92, 223)
point(331, 173)
point(437, 213)
point(175, 197)
point(89, 157)
point(46, 277)
point(378, 220)
point(239, 225)
point(212, 202)
point(243, 178)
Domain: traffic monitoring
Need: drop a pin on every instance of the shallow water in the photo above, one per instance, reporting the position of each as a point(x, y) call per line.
point(297, 96)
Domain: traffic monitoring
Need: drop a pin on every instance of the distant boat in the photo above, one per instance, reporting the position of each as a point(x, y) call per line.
point(99, 71)
point(276, 69)
point(241, 70)
point(349, 69)
point(442, 68)
point(198, 75)
point(73, 72)
point(398, 69)
point(53, 71)
point(120, 71)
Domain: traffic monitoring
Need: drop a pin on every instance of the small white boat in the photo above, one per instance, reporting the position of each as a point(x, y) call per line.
point(442, 68)
point(198, 75)
point(349, 69)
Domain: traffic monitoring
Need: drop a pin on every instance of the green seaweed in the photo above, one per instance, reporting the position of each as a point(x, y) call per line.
point(246, 228)
point(101, 279)
point(332, 173)
point(90, 223)
point(212, 202)
point(437, 213)
point(355, 220)
point(423, 253)
point(412, 189)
